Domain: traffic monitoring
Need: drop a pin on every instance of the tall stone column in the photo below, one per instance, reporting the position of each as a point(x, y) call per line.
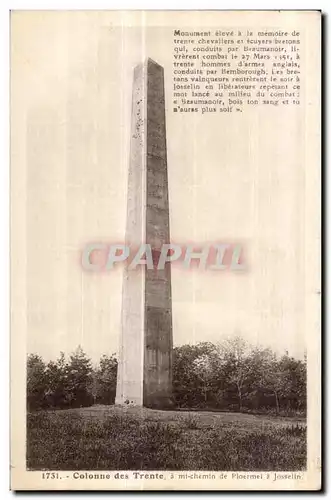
point(145, 360)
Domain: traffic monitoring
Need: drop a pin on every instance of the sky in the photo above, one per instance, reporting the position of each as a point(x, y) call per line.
point(230, 180)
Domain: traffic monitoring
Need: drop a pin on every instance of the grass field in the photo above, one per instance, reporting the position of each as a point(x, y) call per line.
point(113, 438)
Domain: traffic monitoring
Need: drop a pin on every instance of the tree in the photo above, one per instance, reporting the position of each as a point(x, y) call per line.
point(273, 378)
point(36, 382)
point(105, 380)
point(79, 378)
point(203, 368)
point(57, 382)
point(230, 374)
point(190, 380)
point(293, 390)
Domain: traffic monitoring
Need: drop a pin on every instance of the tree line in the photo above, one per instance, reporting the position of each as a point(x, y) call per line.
point(231, 375)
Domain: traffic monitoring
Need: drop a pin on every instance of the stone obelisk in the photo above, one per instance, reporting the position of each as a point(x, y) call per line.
point(145, 358)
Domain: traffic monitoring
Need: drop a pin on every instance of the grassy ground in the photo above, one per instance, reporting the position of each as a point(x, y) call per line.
point(113, 438)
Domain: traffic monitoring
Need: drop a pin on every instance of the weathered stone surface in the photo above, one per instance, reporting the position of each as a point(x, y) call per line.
point(145, 363)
